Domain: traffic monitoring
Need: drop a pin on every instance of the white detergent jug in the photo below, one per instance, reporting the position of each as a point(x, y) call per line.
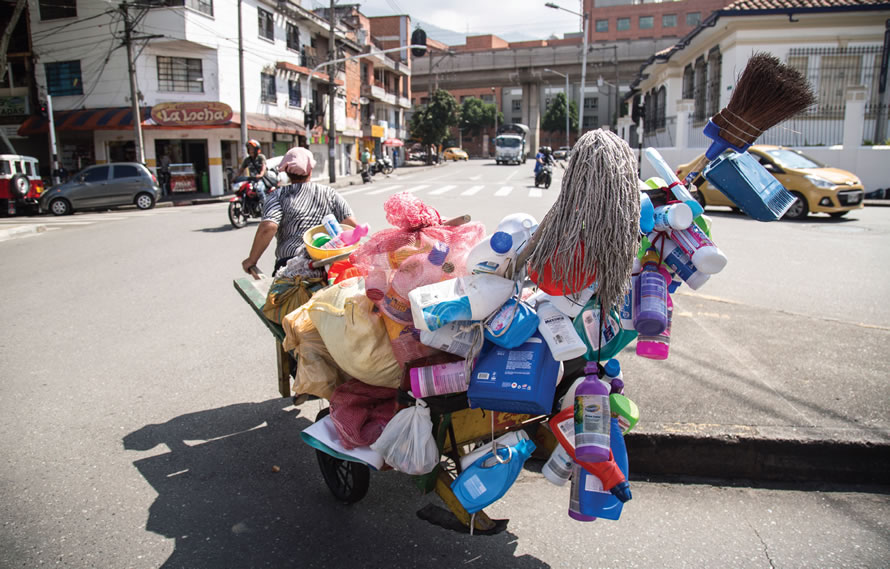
point(473, 297)
point(492, 255)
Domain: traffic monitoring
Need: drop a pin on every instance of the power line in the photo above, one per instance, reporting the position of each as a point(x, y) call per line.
point(68, 24)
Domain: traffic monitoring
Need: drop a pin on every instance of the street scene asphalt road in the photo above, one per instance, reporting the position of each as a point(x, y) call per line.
point(140, 422)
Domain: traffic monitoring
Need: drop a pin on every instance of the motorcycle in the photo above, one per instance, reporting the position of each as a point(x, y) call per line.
point(544, 175)
point(382, 166)
point(245, 204)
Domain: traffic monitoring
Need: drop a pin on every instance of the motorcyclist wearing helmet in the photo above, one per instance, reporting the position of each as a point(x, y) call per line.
point(544, 156)
point(254, 165)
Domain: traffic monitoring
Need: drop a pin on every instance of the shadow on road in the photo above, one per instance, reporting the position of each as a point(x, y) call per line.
point(219, 499)
point(824, 219)
point(220, 229)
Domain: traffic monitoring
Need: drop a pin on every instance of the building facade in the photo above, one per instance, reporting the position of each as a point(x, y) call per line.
point(186, 59)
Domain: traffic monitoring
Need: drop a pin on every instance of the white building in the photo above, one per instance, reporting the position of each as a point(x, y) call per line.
point(186, 51)
point(837, 45)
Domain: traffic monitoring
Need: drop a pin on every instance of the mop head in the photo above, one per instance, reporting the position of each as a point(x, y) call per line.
point(594, 225)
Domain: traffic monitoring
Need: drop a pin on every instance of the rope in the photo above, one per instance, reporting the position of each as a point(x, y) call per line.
point(598, 206)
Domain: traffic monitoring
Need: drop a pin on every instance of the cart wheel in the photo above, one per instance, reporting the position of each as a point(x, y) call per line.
point(348, 481)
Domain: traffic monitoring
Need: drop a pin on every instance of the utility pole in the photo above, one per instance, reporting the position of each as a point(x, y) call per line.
point(243, 111)
point(131, 71)
point(881, 122)
point(54, 148)
point(332, 90)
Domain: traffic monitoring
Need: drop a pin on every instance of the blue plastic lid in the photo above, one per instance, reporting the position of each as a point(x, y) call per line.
point(613, 368)
point(438, 254)
point(501, 242)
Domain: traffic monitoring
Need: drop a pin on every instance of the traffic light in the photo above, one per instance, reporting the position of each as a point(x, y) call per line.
point(309, 116)
point(41, 109)
point(418, 38)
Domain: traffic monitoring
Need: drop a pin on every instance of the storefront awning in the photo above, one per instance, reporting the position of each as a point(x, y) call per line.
point(121, 118)
point(115, 118)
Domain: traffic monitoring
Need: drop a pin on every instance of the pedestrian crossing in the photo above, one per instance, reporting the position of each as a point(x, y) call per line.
point(449, 190)
point(52, 222)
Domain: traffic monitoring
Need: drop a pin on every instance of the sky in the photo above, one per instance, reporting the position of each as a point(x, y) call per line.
point(449, 21)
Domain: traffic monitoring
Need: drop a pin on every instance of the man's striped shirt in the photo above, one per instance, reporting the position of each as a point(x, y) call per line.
point(299, 207)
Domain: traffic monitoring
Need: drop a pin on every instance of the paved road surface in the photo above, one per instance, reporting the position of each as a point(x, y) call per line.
point(139, 425)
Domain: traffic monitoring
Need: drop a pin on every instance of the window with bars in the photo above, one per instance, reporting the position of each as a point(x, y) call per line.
point(293, 37)
point(181, 74)
point(294, 94)
point(660, 107)
point(63, 78)
point(268, 88)
point(700, 92)
point(265, 24)
point(688, 82)
point(56, 9)
point(715, 61)
point(591, 103)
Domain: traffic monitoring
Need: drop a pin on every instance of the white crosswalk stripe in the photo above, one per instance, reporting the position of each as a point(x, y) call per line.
point(382, 190)
point(370, 189)
point(442, 190)
point(417, 188)
point(503, 192)
point(535, 193)
point(471, 191)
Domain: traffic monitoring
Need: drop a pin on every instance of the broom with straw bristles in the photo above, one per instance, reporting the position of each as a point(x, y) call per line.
point(767, 93)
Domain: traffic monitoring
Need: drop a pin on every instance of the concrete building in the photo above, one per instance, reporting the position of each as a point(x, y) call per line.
point(622, 35)
point(191, 63)
point(837, 45)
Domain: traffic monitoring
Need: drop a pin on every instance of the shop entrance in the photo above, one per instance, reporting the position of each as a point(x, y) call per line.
point(186, 160)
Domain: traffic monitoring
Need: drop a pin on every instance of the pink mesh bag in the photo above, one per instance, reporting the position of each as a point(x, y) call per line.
point(360, 411)
point(397, 260)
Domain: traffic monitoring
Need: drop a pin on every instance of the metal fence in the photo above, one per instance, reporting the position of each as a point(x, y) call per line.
point(665, 134)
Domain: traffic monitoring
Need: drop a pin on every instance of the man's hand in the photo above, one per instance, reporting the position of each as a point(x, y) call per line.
point(249, 266)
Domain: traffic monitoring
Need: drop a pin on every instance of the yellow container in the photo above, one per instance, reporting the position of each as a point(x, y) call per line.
point(320, 254)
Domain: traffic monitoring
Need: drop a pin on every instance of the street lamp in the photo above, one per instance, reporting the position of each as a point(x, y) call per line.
point(615, 50)
point(567, 102)
point(584, 17)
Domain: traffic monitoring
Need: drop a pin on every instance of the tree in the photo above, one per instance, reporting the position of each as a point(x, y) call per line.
point(555, 117)
point(430, 123)
point(475, 115)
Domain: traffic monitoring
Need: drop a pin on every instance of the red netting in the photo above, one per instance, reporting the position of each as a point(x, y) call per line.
point(360, 411)
point(419, 233)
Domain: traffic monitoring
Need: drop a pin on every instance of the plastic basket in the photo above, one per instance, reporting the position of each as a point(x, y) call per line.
point(320, 254)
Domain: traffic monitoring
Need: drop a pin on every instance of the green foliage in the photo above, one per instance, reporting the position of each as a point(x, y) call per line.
point(430, 123)
point(476, 114)
point(555, 117)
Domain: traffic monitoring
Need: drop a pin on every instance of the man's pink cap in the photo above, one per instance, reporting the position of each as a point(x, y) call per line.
point(298, 161)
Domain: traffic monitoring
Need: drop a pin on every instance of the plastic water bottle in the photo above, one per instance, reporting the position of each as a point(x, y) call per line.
point(456, 338)
point(558, 332)
point(439, 379)
point(679, 262)
point(657, 347)
point(592, 417)
point(579, 477)
point(492, 255)
point(704, 254)
point(650, 306)
point(558, 468)
point(672, 216)
point(331, 225)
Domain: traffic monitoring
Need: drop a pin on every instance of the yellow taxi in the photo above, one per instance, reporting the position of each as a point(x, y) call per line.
point(818, 188)
point(455, 154)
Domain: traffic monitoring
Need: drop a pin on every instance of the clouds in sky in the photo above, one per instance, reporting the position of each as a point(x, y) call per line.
point(510, 19)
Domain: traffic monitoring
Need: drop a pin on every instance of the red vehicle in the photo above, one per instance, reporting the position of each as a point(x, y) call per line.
point(246, 201)
point(20, 183)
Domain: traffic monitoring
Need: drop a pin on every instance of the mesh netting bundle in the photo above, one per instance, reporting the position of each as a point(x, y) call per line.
point(594, 225)
point(360, 412)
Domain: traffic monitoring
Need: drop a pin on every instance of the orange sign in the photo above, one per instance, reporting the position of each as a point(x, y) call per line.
point(191, 114)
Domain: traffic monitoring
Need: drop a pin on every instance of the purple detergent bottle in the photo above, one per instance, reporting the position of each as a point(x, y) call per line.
point(592, 417)
point(650, 310)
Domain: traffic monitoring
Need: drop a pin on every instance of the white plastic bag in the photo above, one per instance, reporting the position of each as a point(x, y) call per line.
point(407, 443)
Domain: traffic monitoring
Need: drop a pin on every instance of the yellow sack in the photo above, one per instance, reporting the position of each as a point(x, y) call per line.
point(354, 333)
point(317, 372)
point(287, 294)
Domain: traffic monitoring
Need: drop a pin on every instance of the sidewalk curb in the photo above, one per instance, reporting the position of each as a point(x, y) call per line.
point(759, 458)
point(13, 232)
